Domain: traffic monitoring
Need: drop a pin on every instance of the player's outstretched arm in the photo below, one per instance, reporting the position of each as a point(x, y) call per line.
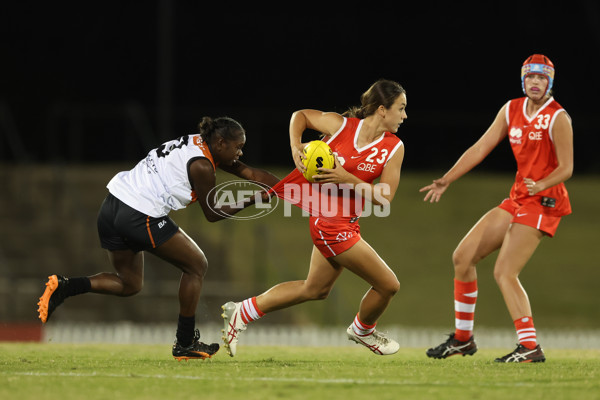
point(249, 173)
point(203, 179)
point(470, 158)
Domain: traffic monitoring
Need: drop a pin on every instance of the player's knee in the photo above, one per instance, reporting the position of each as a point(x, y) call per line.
point(463, 261)
point(395, 287)
point(202, 265)
point(499, 276)
point(198, 266)
point(503, 276)
point(387, 288)
point(392, 287)
point(317, 293)
point(458, 258)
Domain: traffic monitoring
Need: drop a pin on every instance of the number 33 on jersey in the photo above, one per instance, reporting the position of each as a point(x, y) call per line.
point(531, 137)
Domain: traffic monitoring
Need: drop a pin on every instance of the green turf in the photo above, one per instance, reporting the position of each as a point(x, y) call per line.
point(53, 371)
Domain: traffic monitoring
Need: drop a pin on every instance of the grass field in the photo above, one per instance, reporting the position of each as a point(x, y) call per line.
point(90, 372)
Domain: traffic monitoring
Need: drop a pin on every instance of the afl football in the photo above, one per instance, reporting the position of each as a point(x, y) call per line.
point(318, 155)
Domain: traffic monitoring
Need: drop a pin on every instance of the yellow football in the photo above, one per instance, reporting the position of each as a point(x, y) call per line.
point(318, 155)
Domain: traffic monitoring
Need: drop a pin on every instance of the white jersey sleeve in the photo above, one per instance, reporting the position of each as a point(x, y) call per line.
point(160, 183)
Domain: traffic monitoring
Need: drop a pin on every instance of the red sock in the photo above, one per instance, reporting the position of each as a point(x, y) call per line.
point(250, 311)
point(362, 329)
point(526, 332)
point(465, 297)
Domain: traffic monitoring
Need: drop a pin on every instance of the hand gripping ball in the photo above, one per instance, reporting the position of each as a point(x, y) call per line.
point(318, 155)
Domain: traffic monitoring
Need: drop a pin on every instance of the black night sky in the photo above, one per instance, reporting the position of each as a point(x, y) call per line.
point(94, 82)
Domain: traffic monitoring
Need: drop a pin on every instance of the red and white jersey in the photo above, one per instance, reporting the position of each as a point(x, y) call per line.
point(533, 147)
point(365, 162)
point(160, 182)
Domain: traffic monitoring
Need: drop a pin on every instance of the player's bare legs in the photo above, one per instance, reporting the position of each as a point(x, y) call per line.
point(126, 281)
point(485, 237)
point(321, 277)
point(128, 278)
point(184, 253)
point(366, 263)
point(360, 259)
point(181, 251)
point(519, 244)
point(320, 280)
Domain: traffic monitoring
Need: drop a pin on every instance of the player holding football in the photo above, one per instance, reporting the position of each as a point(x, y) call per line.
point(541, 137)
point(363, 140)
point(134, 218)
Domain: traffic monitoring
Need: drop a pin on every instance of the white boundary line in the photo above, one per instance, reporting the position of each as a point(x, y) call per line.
point(342, 381)
point(312, 336)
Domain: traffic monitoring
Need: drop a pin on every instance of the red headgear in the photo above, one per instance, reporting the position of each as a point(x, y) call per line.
point(538, 64)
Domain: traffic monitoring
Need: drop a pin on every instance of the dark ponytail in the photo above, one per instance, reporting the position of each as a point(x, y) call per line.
point(383, 92)
point(224, 127)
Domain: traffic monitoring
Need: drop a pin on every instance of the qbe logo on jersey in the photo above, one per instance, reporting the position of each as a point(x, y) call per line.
point(237, 194)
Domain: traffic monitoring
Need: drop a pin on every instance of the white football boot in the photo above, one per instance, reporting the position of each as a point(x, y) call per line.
point(377, 342)
point(233, 326)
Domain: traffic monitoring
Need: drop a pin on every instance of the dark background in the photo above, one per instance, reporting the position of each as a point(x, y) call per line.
point(96, 82)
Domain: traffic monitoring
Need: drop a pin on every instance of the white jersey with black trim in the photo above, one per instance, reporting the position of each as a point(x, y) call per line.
point(160, 183)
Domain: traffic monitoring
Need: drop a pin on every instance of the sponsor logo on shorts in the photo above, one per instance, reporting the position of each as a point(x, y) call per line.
point(343, 236)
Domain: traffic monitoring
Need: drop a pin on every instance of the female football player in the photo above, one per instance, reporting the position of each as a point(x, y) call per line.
point(366, 148)
point(134, 218)
point(540, 134)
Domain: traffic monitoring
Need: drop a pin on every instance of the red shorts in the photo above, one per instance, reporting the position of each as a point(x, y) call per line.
point(333, 237)
point(531, 214)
